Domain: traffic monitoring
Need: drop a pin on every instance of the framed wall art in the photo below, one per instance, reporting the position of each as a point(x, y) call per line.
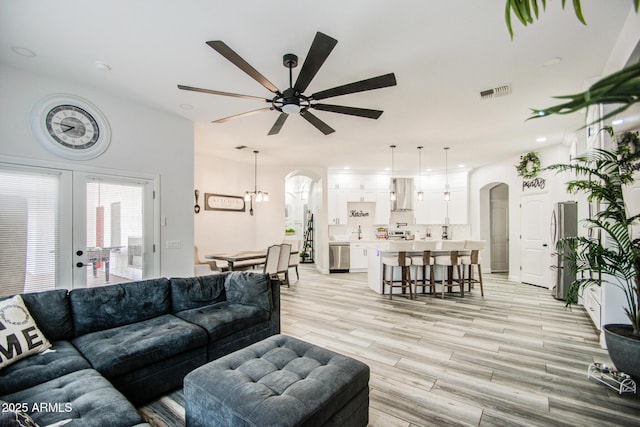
point(221, 202)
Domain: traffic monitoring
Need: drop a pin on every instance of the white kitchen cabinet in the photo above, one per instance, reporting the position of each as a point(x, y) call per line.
point(421, 210)
point(359, 260)
point(383, 208)
point(336, 207)
point(337, 200)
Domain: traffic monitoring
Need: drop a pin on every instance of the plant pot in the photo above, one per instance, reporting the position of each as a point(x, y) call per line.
point(624, 350)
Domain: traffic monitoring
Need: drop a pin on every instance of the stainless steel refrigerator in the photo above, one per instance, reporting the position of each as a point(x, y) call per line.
point(564, 223)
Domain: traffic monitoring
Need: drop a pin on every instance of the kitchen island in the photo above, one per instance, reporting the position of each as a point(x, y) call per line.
point(377, 249)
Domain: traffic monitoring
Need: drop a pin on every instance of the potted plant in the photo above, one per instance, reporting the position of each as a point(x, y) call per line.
point(614, 258)
point(289, 231)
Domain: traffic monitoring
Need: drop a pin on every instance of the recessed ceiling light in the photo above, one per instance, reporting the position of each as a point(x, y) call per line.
point(186, 106)
point(551, 62)
point(102, 66)
point(541, 139)
point(428, 170)
point(347, 168)
point(387, 169)
point(617, 122)
point(23, 51)
point(460, 165)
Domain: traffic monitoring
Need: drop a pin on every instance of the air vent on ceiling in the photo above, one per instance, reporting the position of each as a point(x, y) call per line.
point(503, 90)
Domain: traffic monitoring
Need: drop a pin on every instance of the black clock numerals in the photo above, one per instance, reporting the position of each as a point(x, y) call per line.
point(72, 127)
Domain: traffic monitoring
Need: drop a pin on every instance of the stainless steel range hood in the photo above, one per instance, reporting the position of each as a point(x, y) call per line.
point(404, 194)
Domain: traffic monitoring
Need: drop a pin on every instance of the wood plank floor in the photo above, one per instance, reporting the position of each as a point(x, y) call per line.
point(516, 357)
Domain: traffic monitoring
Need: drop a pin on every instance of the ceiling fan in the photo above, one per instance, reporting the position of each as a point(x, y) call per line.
point(292, 100)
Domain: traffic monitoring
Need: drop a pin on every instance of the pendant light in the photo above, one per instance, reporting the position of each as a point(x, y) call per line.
point(392, 194)
point(420, 192)
point(447, 193)
point(258, 196)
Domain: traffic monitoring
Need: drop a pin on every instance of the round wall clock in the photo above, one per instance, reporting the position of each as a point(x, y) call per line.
point(71, 127)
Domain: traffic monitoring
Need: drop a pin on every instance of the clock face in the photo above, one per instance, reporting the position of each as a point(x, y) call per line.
point(71, 127)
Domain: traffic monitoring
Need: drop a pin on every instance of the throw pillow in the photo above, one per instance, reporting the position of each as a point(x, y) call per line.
point(16, 419)
point(19, 334)
point(249, 288)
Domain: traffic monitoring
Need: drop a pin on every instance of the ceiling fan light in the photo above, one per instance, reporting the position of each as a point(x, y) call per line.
point(392, 196)
point(420, 196)
point(247, 196)
point(447, 196)
point(265, 197)
point(259, 197)
point(291, 108)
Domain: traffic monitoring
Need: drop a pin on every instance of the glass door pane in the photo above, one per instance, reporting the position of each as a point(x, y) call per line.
point(111, 248)
point(29, 229)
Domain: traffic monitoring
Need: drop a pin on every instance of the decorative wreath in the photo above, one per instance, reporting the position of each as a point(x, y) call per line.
point(529, 166)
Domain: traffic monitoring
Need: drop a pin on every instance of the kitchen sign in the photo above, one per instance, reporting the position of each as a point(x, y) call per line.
point(221, 202)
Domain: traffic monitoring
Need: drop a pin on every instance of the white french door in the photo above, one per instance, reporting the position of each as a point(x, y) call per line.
point(69, 229)
point(113, 229)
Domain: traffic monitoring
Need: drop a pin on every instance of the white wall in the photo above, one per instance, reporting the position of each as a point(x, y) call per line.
point(144, 140)
point(482, 178)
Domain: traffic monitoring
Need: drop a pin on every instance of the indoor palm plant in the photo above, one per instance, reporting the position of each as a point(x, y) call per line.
point(608, 254)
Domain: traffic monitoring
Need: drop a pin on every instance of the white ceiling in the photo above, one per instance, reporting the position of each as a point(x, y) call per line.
point(443, 54)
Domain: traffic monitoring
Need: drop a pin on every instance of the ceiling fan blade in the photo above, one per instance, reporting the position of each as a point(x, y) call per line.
point(278, 124)
point(318, 52)
point(361, 86)
point(216, 92)
point(319, 124)
point(235, 59)
point(237, 116)
point(352, 111)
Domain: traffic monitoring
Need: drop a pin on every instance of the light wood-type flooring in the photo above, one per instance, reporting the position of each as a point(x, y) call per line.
point(516, 357)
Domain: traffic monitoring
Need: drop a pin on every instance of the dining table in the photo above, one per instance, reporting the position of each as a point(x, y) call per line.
point(251, 258)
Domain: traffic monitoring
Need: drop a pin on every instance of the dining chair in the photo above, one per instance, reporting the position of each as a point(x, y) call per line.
point(283, 262)
point(401, 260)
point(424, 260)
point(213, 265)
point(294, 258)
point(448, 259)
point(471, 260)
point(271, 261)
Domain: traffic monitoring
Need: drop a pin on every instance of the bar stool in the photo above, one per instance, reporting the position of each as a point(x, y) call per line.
point(424, 260)
point(449, 260)
point(471, 260)
point(401, 260)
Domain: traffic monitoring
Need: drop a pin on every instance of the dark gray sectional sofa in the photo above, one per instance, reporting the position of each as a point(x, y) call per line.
point(122, 345)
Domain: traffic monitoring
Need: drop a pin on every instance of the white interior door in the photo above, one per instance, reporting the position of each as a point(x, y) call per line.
point(534, 228)
point(113, 229)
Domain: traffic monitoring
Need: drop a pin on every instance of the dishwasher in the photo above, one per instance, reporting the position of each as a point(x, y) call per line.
point(339, 258)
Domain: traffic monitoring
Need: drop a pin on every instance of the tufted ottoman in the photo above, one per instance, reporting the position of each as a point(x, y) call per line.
point(280, 381)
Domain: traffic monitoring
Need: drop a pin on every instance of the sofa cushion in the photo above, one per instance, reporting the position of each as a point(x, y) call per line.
point(52, 313)
point(225, 318)
point(83, 396)
point(19, 334)
point(105, 307)
point(62, 358)
point(123, 349)
point(192, 292)
point(249, 288)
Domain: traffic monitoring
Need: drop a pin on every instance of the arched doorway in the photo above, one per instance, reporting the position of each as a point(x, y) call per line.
point(303, 203)
point(494, 225)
